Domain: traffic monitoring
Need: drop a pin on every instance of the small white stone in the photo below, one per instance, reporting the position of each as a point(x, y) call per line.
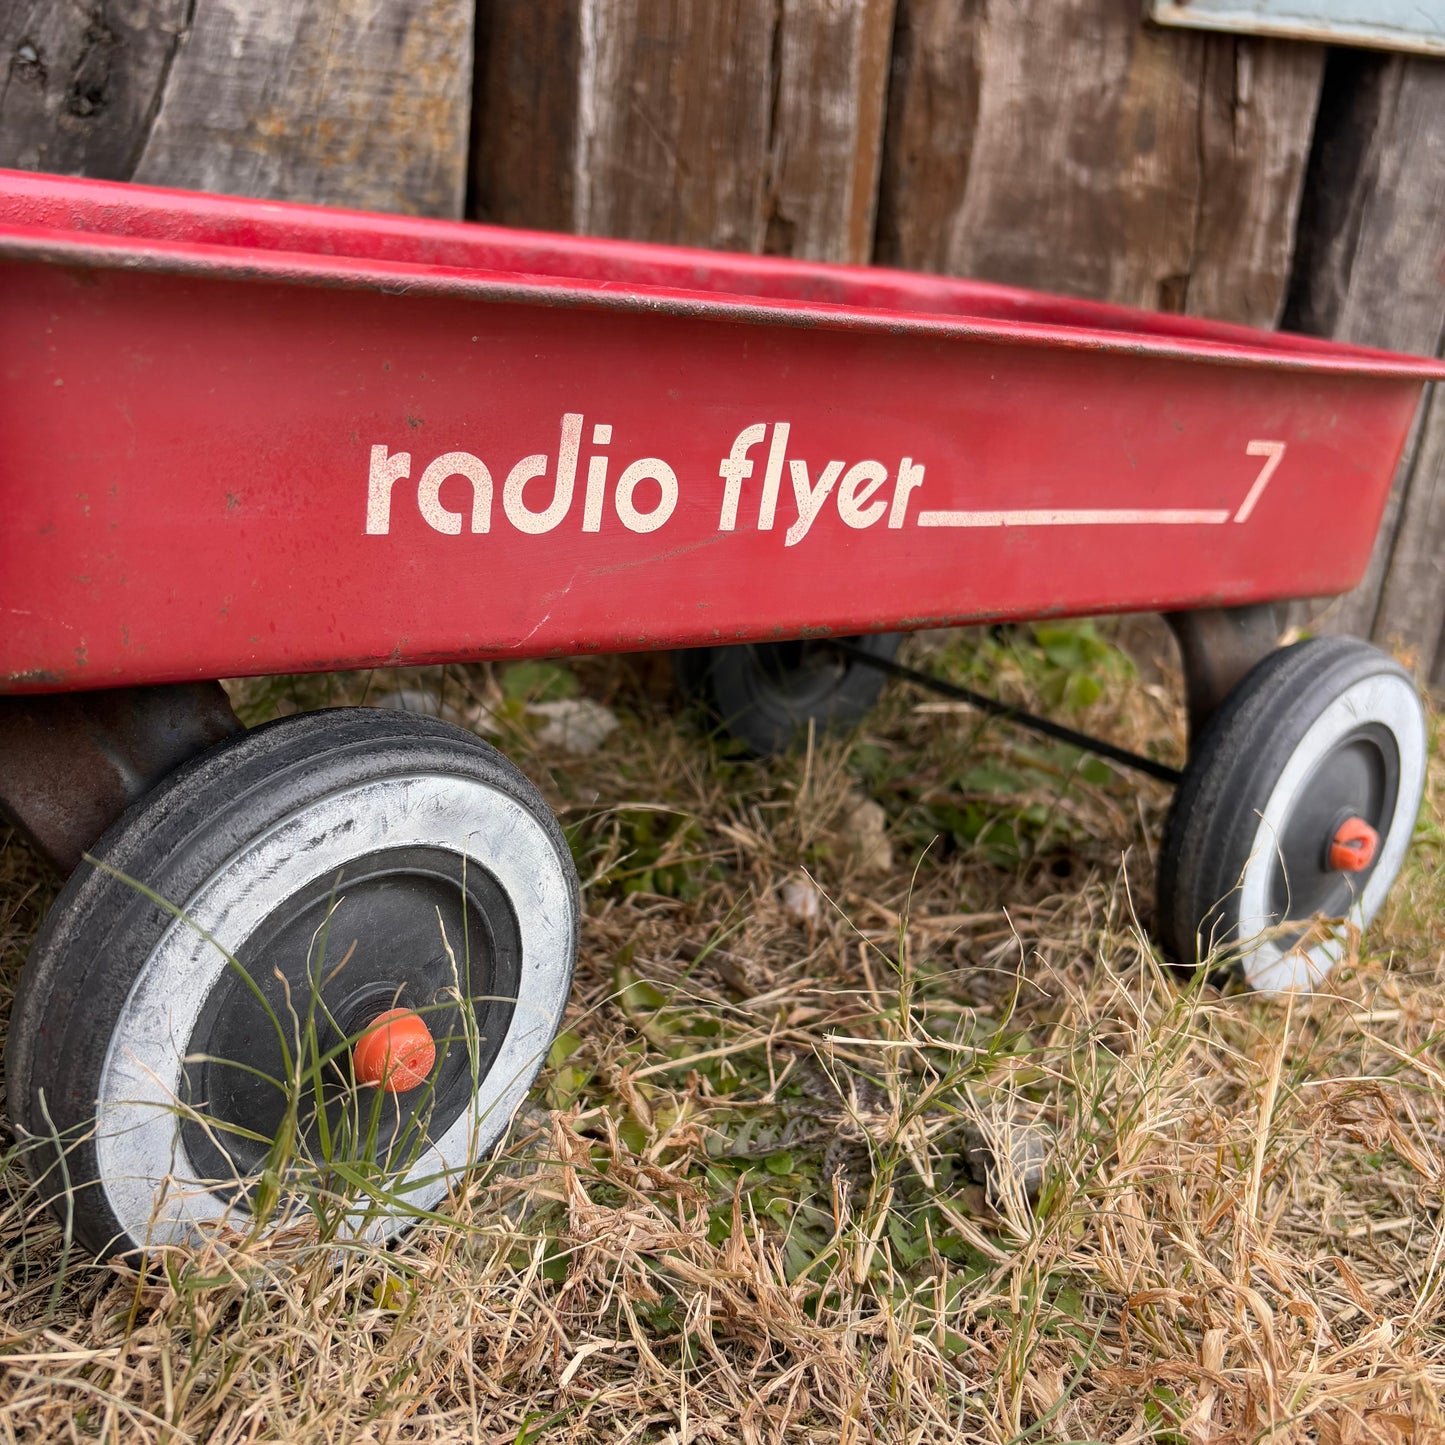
point(802, 901)
point(1002, 1153)
point(429, 704)
point(865, 833)
point(577, 725)
point(417, 700)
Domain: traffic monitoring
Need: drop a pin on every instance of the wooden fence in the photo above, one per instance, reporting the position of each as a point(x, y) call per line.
point(1059, 144)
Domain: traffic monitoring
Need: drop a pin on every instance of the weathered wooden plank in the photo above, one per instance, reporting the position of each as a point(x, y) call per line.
point(741, 124)
point(81, 82)
point(1372, 238)
point(1411, 610)
point(933, 116)
point(1394, 298)
point(335, 101)
point(827, 143)
point(1257, 105)
point(1082, 180)
point(524, 138)
point(1378, 281)
point(1156, 169)
point(674, 120)
point(340, 102)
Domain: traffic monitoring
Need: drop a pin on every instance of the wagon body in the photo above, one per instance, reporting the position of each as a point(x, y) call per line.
point(244, 438)
point(250, 438)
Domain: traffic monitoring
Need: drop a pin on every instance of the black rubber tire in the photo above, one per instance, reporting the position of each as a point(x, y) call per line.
point(1217, 857)
point(101, 931)
point(765, 694)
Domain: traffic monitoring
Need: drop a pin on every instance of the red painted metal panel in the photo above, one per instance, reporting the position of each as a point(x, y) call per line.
point(247, 438)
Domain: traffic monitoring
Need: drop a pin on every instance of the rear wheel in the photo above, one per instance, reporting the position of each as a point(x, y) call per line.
point(374, 945)
point(1295, 813)
point(766, 693)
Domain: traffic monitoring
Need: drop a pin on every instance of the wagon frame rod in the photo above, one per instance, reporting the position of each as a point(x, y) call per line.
point(1218, 646)
point(1137, 762)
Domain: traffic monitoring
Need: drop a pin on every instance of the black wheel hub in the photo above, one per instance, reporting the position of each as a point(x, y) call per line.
point(1359, 778)
point(800, 674)
point(416, 927)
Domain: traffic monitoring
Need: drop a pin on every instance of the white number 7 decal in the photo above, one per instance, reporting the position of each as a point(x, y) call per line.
point(1273, 453)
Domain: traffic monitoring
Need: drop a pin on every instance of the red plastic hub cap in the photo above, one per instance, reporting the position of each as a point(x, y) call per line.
point(396, 1053)
point(1353, 847)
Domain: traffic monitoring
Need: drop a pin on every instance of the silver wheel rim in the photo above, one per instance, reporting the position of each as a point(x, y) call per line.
point(148, 1179)
point(1391, 701)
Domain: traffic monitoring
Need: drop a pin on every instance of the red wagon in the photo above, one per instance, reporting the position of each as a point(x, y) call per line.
point(247, 438)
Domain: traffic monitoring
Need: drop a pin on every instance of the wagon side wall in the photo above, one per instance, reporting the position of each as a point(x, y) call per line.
point(1057, 144)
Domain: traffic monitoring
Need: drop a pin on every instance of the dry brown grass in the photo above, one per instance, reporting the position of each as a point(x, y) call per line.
point(739, 1206)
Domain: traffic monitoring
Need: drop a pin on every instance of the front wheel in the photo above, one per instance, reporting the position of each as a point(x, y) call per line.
point(1294, 815)
point(371, 945)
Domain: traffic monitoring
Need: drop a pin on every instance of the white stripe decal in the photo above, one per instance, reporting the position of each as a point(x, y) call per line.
point(1078, 517)
point(1273, 452)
